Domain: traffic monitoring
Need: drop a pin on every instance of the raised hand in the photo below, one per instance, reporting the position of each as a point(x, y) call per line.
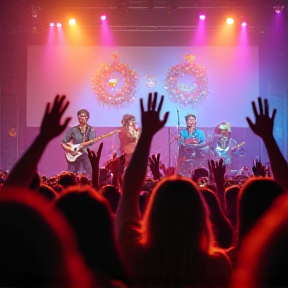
point(23, 172)
point(154, 163)
point(259, 169)
point(50, 126)
point(218, 169)
point(151, 123)
point(263, 126)
point(94, 160)
point(95, 157)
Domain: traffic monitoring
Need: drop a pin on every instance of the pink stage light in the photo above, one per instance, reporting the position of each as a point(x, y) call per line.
point(103, 17)
point(51, 24)
point(202, 17)
point(244, 24)
point(59, 25)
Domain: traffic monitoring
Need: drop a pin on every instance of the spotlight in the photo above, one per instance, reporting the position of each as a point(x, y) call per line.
point(72, 21)
point(278, 8)
point(59, 25)
point(243, 21)
point(51, 24)
point(202, 17)
point(230, 21)
point(103, 17)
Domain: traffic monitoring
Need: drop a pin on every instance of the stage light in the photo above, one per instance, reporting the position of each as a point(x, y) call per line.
point(243, 21)
point(59, 25)
point(103, 17)
point(51, 24)
point(72, 21)
point(202, 17)
point(230, 21)
point(278, 8)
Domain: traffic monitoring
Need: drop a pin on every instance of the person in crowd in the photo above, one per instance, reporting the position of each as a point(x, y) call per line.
point(230, 199)
point(263, 254)
point(112, 194)
point(222, 228)
point(37, 247)
point(48, 192)
point(254, 199)
point(75, 138)
point(191, 147)
point(263, 127)
point(67, 179)
point(225, 147)
point(128, 135)
point(173, 246)
point(90, 216)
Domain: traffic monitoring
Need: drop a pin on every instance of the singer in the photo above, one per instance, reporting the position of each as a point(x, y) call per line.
point(128, 135)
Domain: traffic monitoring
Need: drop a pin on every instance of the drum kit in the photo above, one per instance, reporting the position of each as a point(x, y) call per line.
point(192, 156)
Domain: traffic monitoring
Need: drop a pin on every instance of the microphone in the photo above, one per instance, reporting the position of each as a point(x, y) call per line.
point(178, 118)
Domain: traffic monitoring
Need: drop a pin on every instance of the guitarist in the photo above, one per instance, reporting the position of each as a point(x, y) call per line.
point(77, 135)
point(224, 146)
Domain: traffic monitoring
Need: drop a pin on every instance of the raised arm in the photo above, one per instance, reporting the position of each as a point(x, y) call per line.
point(94, 160)
point(23, 172)
point(217, 171)
point(135, 173)
point(263, 127)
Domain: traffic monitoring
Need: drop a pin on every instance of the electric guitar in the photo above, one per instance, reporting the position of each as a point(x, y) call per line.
point(74, 150)
point(237, 147)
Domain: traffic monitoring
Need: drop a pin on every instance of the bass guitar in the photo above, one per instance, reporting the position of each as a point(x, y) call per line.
point(74, 150)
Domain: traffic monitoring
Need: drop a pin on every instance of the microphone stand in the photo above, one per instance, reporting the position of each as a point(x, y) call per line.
point(175, 138)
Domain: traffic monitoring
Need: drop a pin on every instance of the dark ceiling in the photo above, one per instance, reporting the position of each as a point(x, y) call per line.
point(134, 14)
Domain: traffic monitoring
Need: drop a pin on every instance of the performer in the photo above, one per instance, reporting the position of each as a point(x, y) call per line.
point(223, 146)
point(192, 150)
point(128, 135)
point(78, 135)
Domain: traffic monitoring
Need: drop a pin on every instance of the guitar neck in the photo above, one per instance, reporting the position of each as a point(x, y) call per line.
point(237, 147)
point(90, 142)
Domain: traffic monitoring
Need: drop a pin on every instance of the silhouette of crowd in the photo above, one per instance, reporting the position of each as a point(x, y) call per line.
point(202, 231)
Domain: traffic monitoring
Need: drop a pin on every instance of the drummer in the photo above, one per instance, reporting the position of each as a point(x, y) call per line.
point(191, 135)
point(191, 139)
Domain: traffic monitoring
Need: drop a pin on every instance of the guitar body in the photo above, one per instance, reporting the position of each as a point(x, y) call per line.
point(75, 149)
point(75, 153)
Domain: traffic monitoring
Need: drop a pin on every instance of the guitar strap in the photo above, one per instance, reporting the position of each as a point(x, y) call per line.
point(86, 134)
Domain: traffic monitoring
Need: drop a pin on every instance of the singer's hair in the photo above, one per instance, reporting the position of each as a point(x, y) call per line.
point(188, 116)
point(126, 118)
